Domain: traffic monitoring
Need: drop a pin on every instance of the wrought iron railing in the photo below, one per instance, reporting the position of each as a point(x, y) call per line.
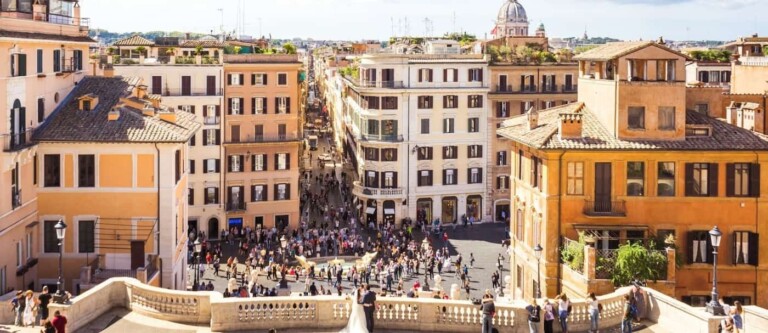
point(17, 141)
point(605, 208)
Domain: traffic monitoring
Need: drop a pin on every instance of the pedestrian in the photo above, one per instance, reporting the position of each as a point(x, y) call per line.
point(594, 312)
point(59, 322)
point(488, 310)
point(48, 327)
point(534, 316)
point(563, 311)
point(43, 299)
point(30, 308)
point(626, 322)
point(549, 316)
point(17, 305)
point(471, 260)
point(737, 313)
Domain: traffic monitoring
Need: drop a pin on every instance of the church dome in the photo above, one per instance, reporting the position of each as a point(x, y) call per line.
point(512, 11)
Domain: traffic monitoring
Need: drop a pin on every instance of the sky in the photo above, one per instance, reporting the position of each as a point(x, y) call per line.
point(378, 19)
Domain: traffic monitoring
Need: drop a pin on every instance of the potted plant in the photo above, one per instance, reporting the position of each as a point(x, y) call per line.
point(669, 241)
point(142, 53)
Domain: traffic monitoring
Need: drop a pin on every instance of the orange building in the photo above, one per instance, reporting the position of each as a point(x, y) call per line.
point(629, 162)
point(111, 165)
point(262, 141)
point(45, 53)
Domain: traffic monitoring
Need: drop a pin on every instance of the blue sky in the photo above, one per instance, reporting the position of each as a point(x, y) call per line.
point(372, 19)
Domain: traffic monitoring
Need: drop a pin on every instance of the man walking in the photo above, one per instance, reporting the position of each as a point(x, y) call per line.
point(369, 306)
point(59, 322)
point(488, 309)
point(44, 299)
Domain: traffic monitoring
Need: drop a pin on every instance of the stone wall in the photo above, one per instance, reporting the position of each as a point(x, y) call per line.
point(755, 319)
point(676, 316)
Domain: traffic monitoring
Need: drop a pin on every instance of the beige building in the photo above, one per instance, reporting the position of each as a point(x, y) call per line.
point(263, 141)
point(750, 65)
point(45, 52)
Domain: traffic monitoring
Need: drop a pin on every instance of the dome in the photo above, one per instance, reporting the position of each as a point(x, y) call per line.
point(512, 11)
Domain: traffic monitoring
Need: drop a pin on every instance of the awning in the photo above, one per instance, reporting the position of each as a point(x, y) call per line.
point(389, 211)
point(370, 210)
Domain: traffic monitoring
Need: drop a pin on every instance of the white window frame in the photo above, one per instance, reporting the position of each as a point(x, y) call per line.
point(207, 190)
point(281, 191)
point(234, 162)
point(473, 125)
point(474, 176)
point(235, 79)
point(210, 165)
point(474, 74)
point(259, 81)
point(210, 137)
point(450, 177)
point(19, 253)
point(499, 160)
point(259, 105)
point(282, 105)
point(29, 248)
point(258, 162)
point(503, 182)
point(281, 161)
point(236, 106)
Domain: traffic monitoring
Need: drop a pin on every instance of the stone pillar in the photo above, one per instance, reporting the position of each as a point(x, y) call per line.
point(590, 261)
point(671, 267)
point(141, 275)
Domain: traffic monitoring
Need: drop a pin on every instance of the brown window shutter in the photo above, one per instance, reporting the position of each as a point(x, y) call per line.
point(481, 74)
point(754, 181)
point(753, 248)
point(277, 104)
point(713, 177)
point(218, 110)
point(730, 176)
point(445, 75)
point(430, 75)
point(287, 105)
point(445, 178)
point(266, 162)
point(253, 79)
point(275, 186)
point(229, 79)
point(229, 106)
point(288, 161)
point(455, 75)
point(288, 191)
point(689, 244)
point(264, 105)
point(689, 179)
point(253, 105)
point(420, 76)
point(193, 109)
point(242, 79)
point(265, 79)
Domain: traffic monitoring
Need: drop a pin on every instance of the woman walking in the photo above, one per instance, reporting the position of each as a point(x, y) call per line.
point(29, 308)
point(563, 310)
point(594, 312)
point(549, 316)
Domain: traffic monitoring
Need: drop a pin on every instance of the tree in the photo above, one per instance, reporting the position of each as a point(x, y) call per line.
point(289, 48)
point(493, 51)
point(505, 53)
point(634, 260)
point(583, 48)
point(199, 50)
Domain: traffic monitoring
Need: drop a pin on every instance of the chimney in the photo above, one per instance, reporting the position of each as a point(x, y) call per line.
point(533, 118)
point(114, 114)
point(148, 110)
point(141, 90)
point(570, 126)
point(168, 116)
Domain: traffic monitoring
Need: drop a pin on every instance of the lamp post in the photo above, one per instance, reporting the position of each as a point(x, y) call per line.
point(537, 252)
point(284, 245)
point(714, 307)
point(61, 230)
point(198, 249)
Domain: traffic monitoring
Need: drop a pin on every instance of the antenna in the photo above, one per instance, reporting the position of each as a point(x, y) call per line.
point(221, 28)
point(454, 22)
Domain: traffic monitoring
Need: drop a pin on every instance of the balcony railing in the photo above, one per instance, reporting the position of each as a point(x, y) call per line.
point(549, 89)
point(570, 89)
point(376, 84)
point(235, 206)
point(83, 22)
point(528, 89)
point(17, 141)
point(504, 88)
point(605, 208)
point(359, 189)
point(191, 92)
point(382, 137)
point(266, 138)
point(211, 120)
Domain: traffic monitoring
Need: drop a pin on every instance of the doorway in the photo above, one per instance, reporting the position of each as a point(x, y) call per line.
point(389, 212)
point(449, 210)
point(137, 254)
point(281, 222)
point(213, 228)
point(603, 187)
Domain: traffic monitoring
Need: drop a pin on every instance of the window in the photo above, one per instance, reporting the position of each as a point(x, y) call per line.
point(389, 128)
point(742, 180)
point(371, 154)
point(502, 182)
point(40, 110)
point(282, 79)
point(519, 222)
point(475, 101)
point(259, 162)
point(212, 165)
point(448, 125)
point(373, 127)
point(475, 75)
point(520, 159)
point(425, 75)
point(425, 178)
point(18, 64)
point(19, 254)
point(52, 170)
point(450, 75)
point(86, 175)
point(701, 179)
point(389, 103)
point(86, 236)
point(371, 102)
point(258, 105)
point(745, 248)
point(211, 195)
point(50, 242)
point(371, 179)
point(282, 192)
point(235, 106)
point(425, 102)
point(390, 180)
point(536, 231)
point(179, 166)
point(211, 137)
point(449, 152)
point(39, 67)
point(425, 126)
point(575, 178)
point(635, 178)
point(536, 172)
point(636, 117)
point(473, 125)
point(259, 79)
point(389, 154)
point(258, 193)
point(665, 186)
point(702, 108)
point(502, 109)
point(282, 105)
point(235, 79)
point(235, 163)
point(475, 151)
point(425, 153)
point(450, 102)
point(29, 246)
point(501, 158)
point(699, 247)
point(283, 162)
point(57, 61)
point(191, 196)
point(449, 177)
point(666, 117)
point(475, 176)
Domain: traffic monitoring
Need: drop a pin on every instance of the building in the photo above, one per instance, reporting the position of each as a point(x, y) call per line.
point(45, 52)
point(750, 65)
point(189, 83)
point(415, 130)
point(629, 162)
point(111, 164)
point(512, 20)
point(708, 73)
point(263, 142)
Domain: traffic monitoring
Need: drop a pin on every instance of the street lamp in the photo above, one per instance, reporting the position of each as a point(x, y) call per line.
point(198, 249)
point(537, 252)
point(61, 230)
point(714, 307)
point(284, 244)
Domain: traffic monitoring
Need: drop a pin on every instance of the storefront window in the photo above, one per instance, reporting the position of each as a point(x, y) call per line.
point(474, 207)
point(449, 210)
point(424, 210)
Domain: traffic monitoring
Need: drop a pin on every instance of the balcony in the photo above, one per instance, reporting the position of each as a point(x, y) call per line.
point(570, 89)
point(549, 89)
point(235, 206)
point(504, 88)
point(605, 208)
point(175, 92)
point(528, 89)
point(211, 120)
point(83, 23)
point(381, 193)
point(17, 141)
point(265, 139)
point(382, 138)
point(376, 84)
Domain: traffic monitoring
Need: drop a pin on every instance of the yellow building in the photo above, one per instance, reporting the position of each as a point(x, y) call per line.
point(262, 141)
point(45, 53)
point(111, 164)
point(628, 161)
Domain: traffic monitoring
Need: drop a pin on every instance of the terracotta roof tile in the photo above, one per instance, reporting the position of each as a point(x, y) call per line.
point(615, 50)
point(134, 40)
point(203, 43)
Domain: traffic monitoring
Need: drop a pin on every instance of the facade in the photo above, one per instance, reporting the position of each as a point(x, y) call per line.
point(195, 87)
point(634, 167)
point(750, 65)
point(45, 52)
point(111, 164)
point(512, 20)
point(263, 142)
point(416, 132)
point(708, 74)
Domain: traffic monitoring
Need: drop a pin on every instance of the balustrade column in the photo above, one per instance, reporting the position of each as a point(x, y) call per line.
point(590, 261)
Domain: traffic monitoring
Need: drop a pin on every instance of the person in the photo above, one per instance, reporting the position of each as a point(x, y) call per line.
point(626, 322)
point(736, 313)
point(48, 327)
point(726, 325)
point(59, 322)
point(30, 308)
point(43, 299)
point(356, 321)
point(563, 310)
point(489, 310)
point(534, 316)
point(369, 306)
point(17, 305)
point(726, 307)
point(549, 317)
point(594, 312)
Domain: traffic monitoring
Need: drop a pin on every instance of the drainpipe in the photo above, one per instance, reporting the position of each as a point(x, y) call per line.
point(157, 242)
point(559, 219)
point(757, 220)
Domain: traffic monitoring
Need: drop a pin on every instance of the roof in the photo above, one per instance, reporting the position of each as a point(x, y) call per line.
point(203, 43)
point(134, 40)
point(596, 137)
point(610, 51)
point(42, 36)
point(69, 124)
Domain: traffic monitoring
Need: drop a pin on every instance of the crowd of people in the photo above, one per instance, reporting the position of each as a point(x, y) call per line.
point(31, 311)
